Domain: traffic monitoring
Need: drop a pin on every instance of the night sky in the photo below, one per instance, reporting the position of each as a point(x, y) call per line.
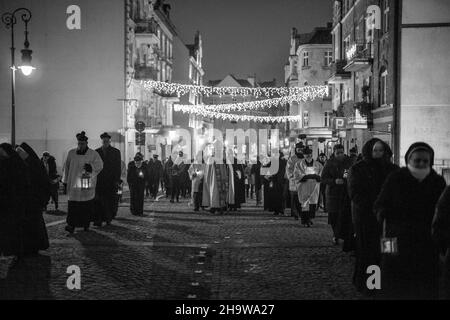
point(246, 37)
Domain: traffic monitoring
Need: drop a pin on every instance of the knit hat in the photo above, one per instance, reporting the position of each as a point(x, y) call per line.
point(82, 136)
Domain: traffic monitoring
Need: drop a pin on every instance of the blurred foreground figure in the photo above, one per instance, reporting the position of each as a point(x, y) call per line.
point(33, 228)
point(406, 206)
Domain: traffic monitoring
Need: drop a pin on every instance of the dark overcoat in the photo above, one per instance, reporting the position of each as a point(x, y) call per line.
point(407, 206)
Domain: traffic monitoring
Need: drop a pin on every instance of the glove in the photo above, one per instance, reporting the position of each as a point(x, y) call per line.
point(87, 167)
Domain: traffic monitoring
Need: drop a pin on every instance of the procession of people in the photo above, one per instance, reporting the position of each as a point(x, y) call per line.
point(387, 216)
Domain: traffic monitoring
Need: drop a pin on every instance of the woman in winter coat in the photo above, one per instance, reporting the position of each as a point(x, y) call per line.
point(364, 184)
point(406, 205)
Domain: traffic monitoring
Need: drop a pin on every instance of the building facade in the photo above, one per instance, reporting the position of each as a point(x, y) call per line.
point(388, 74)
point(309, 64)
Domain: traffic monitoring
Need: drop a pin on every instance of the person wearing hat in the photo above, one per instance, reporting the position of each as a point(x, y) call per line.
point(405, 208)
point(81, 169)
point(49, 164)
point(137, 176)
point(364, 183)
point(295, 157)
point(108, 181)
point(307, 178)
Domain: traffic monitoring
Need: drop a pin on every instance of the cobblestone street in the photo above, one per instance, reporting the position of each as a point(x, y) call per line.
point(174, 253)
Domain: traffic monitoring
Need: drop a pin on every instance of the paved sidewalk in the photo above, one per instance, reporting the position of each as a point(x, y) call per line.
point(175, 253)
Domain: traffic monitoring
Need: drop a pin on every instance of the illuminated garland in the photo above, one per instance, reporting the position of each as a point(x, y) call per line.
point(308, 92)
point(200, 110)
point(254, 105)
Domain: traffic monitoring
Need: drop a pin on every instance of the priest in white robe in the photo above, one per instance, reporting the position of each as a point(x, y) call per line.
point(80, 174)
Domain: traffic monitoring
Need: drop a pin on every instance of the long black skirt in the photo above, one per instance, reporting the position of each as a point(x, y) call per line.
point(80, 213)
point(34, 232)
point(137, 199)
point(105, 206)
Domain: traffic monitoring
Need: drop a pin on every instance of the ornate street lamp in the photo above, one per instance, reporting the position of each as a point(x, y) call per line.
point(10, 19)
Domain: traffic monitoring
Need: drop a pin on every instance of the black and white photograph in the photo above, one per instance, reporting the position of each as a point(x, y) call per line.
point(225, 156)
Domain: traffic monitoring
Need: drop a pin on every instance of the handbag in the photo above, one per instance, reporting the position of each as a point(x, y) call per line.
point(389, 245)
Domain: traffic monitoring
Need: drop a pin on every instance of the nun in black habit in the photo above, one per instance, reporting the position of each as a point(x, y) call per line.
point(14, 192)
point(34, 232)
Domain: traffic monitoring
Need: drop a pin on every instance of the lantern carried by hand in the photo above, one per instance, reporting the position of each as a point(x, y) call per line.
point(85, 181)
point(141, 174)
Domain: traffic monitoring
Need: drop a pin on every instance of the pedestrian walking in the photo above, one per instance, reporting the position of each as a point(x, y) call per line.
point(334, 178)
point(249, 187)
point(239, 184)
point(364, 184)
point(217, 192)
point(441, 235)
point(307, 177)
point(353, 155)
point(155, 174)
point(168, 176)
point(274, 185)
point(136, 179)
point(108, 181)
point(14, 194)
point(49, 164)
point(256, 176)
point(176, 176)
point(322, 194)
point(295, 157)
point(81, 169)
point(405, 207)
point(33, 227)
point(196, 173)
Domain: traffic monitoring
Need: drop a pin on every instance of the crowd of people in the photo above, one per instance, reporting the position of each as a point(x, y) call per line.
point(384, 215)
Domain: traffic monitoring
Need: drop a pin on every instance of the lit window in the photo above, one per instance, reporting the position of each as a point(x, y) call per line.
point(383, 88)
point(328, 58)
point(305, 58)
point(305, 119)
point(385, 16)
point(326, 119)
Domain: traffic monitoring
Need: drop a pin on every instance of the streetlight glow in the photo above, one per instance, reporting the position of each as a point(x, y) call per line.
point(26, 70)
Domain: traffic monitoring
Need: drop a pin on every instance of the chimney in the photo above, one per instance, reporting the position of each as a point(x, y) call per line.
point(252, 80)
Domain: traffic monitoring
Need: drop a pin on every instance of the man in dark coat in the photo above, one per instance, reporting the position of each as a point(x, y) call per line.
point(34, 232)
point(49, 164)
point(406, 205)
point(256, 173)
point(155, 173)
point(239, 184)
point(273, 187)
point(364, 184)
point(14, 194)
point(334, 177)
point(108, 181)
point(168, 176)
point(136, 177)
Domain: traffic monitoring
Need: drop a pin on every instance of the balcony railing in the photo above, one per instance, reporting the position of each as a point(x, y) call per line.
point(145, 73)
point(359, 57)
point(146, 27)
point(337, 67)
point(359, 50)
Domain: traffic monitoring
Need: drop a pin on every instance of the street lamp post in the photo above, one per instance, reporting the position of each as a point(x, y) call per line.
point(10, 19)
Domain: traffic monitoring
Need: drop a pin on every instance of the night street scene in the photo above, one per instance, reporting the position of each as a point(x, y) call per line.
point(244, 152)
